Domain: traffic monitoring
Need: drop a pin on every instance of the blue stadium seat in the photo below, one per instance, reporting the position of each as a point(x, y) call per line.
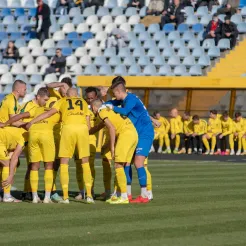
point(117, 11)
point(124, 52)
point(30, 35)
point(7, 89)
point(143, 36)
point(77, 43)
point(132, 36)
point(67, 51)
point(75, 11)
point(131, 11)
point(72, 36)
point(174, 35)
point(164, 43)
point(3, 35)
point(50, 52)
point(138, 51)
point(214, 52)
point(2, 29)
point(165, 70)
point(29, 4)
point(224, 44)
point(52, 4)
point(241, 27)
point(153, 28)
point(32, 12)
point(4, 44)
point(5, 12)
point(102, 11)
point(191, 20)
point(22, 20)
point(195, 70)
point(179, 43)
point(78, 19)
point(214, 9)
point(237, 19)
point(54, 28)
point(100, 61)
point(134, 44)
point(109, 52)
point(153, 52)
point(182, 28)
point(174, 61)
point(208, 43)
point(8, 20)
point(159, 35)
point(180, 70)
point(243, 11)
point(129, 60)
point(143, 11)
point(158, 61)
point(150, 70)
point(189, 61)
point(148, 44)
point(35, 79)
point(15, 4)
point(205, 19)
point(204, 61)
point(111, 4)
point(62, 44)
point(183, 52)
point(168, 52)
point(15, 35)
point(105, 70)
point(20, 43)
point(120, 70)
point(198, 52)
point(201, 11)
point(12, 28)
point(200, 36)
point(134, 70)
point(3, 3)
point(168, 28)
point(138, 28)
point(63, 20)
point(19, 12)
point(22, 77)
point(196, 28)
point(222, 17)
point(189, 10)
point(143, 61)
point(88, 11)
point(86, 35)
point(187, 36)
point(114, 61)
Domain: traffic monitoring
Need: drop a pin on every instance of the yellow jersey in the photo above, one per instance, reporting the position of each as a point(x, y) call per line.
point(200, 128)
point(176, 125)
point(118, 121)
point(73, 110)
point(214, 125)
point(227, 127)
point(29, 107)
point(188, 126)
point(8, 106)
point(55, 93)
point(240, 126)
point(12, 136)
point(164, 127)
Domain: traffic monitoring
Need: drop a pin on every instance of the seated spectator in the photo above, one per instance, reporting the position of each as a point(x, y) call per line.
point(229, 7)
point(208, 3)
point(117, 38)
point(90, 3)
point(10, 54)
point(136, 3)
point(155, 7)
point(58, 63)
point(213, 30)
point(62, 7)
point(174, 14)
point(229, 31)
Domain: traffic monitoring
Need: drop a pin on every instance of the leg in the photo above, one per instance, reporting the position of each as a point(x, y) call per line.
point(46, 33)
point(161, 142)
point(34, 181)
point(227, 145)
point(206, 143)
point(128, 173)
point(239, 137)
point(218, 143)
point(199, 139)
point(87, 177)
point(4, 176)
point(182, 143)
point(179, 19)
point(194, 141)
point(190, 140)
point(164, 20)
point(50, 70)
point(177, 142)
point(233, 41)
point(213, 144)
point(48, 180)
point(167, 143)
point(64, 177)
point(231, 141)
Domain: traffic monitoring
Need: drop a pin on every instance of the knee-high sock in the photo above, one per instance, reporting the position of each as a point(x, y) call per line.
point(5, 175)
point(27, 184)
point(54, 180)
point(87, 177)
point(161, 140)
point(79, 175)
point(107, 174)
point(239, 142)
point(244, 144)
point(149, 180)
point(167, 140)
point(64, 178)
point(206, 143)
point(142, 176)
point(213, 143)
point(177, 141)
point(92, 167)
point(34, 181)
point(231, 141)
point(48, 182)
point(121, 180)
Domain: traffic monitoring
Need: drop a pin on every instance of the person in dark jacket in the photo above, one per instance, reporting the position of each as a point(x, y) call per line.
point(10, 54)
point(58, 63)
point(43, 22)
point(208, 3)
point(229, 31)
point(136, 4)
point(174, 14)
point(229, 7)
point(213, 30)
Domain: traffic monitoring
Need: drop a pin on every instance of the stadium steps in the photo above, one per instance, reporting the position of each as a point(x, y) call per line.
point(233, 64)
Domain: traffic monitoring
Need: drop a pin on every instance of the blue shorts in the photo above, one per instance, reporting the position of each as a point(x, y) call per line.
point(145, 141)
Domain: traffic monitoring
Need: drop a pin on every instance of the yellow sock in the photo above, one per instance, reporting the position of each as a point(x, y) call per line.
point(79, 175)
point(206, 143)
point(121, 179)
point(48, 180)
point(244, 144)
point(239, 139)
point(149, 179)
point(64, 178)
point(213, 143)
point(161, 140)
point(54, 180)
point(1, 170)
point(34, 180)
point(107, 174)
point(92, 167)
point(116, 186)
point(177, 141)
point(231, 141)
point(5, 175)
point(87, 177)
point(167, 140)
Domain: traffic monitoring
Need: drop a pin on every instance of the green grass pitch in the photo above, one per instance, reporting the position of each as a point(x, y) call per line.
point(195, 204)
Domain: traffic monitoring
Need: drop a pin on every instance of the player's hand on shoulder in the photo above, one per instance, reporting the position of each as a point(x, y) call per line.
point(110, 106)
point(102, 107)
point(27, 127)
point(156, 123)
